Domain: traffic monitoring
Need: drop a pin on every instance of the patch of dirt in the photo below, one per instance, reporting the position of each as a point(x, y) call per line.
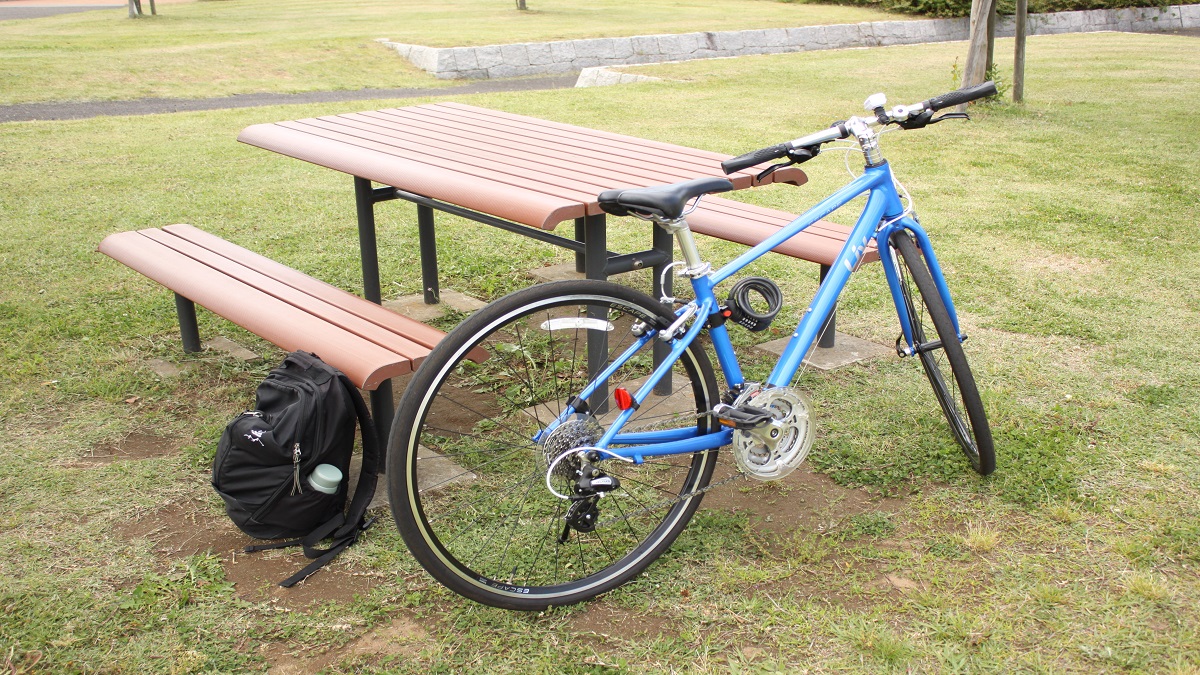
point(801, 501)
point(1040, 260)
point(607, 621)
point(177, 531)
point(807, 505)
point(401, 637)
point(134, 446)
point(812, 582)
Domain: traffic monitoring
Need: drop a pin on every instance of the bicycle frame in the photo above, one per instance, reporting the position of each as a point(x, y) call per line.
point(882, 216)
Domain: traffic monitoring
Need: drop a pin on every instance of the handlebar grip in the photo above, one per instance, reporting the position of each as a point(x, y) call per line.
point(757, 157)
point(961, 96)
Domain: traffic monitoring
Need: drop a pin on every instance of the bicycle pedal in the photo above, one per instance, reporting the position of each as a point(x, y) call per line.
point(744, 417)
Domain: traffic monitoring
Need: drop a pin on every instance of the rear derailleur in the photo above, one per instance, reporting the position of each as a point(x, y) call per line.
point(590, 485)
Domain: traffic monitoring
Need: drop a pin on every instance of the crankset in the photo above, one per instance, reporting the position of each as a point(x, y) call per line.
point(770, 448)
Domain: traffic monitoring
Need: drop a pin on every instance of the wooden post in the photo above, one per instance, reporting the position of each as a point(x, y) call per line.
point(1019, 53)
point(975, 69)
point(154, 12)
point(991, 38)
point(134, 10)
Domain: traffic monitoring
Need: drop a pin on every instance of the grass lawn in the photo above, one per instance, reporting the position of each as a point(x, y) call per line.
point(1064, 225)
point(212, 48)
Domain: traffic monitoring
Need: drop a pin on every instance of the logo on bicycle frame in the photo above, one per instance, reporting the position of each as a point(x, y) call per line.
point(859, 250)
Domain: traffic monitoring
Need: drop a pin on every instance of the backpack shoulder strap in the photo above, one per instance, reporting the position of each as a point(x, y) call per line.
point(368, 476)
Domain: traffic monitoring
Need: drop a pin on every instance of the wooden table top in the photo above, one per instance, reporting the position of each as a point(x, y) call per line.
point(523, 169)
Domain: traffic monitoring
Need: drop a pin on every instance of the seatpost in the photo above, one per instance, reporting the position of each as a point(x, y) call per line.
point(687, 246)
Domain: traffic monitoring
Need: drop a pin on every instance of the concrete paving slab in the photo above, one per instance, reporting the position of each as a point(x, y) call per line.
point(432, 469)
point(563, 272)
point(231, 348)
point(847, 349)
point(164, 369)
point(414, 307)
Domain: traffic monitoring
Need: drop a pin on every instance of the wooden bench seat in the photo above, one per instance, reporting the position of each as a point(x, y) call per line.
point(368, 343)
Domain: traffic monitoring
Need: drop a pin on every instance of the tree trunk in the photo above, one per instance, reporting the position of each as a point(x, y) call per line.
point(521, 5)
point(976, 67)
point(991, 37)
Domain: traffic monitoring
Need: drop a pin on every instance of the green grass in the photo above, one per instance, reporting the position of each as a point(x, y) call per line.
point(1065, 226)
point(212, 48)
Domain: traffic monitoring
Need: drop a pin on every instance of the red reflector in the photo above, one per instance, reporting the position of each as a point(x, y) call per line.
point(624, 398)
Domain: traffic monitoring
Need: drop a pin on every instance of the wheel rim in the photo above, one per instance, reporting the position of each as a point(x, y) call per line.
point(489, 517)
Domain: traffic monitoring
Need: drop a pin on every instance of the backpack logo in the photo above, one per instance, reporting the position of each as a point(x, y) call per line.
point(255, 436)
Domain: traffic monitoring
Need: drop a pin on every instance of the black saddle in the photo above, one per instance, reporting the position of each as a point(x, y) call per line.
point(663, 201)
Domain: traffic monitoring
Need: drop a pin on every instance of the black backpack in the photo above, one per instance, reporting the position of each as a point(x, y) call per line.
point(304, 415)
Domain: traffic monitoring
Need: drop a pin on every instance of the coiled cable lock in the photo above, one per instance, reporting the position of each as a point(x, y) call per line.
point(740, 308)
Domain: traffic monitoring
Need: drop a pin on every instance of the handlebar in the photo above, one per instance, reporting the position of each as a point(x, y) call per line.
point(960, 96)
point(757, 157)
point(839, 130)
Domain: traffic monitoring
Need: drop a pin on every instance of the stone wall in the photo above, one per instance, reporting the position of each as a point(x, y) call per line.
point(568, 56)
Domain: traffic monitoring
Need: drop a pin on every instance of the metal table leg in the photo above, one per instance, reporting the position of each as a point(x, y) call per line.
point(664, 243)
point(596, 267)
point(826, 337)
point(429, 264)
point(364, 200)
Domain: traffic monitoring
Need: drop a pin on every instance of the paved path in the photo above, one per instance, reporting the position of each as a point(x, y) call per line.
point(34, 9)
point(24, 112)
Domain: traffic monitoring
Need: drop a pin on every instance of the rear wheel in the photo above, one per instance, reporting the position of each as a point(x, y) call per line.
point(942, 356)
point(468, 456)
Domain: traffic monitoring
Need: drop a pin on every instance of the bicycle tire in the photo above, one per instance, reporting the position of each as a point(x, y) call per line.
point(959, 393)
point(492, 531)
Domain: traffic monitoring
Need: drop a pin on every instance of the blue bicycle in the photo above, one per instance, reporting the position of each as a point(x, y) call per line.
point(519, 482)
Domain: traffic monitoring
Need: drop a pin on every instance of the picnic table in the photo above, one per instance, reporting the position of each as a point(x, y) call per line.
point(517, 173)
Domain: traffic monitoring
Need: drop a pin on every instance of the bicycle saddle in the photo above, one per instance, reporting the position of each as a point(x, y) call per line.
point(663, 201)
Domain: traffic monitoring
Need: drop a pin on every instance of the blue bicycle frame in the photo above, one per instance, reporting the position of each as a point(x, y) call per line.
point(882, 216)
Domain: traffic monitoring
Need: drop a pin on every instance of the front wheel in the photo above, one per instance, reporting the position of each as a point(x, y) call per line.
point(956, 394)
point(469, 453)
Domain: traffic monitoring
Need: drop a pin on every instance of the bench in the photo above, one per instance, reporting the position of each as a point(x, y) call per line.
point(367, 342)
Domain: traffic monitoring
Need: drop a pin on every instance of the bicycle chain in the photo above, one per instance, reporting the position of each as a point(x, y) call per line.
point(671, 502)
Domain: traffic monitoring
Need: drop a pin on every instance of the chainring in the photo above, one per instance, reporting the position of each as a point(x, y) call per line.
point(774, 449)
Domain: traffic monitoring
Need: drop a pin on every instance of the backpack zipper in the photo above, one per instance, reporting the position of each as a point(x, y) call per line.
point(296, 489)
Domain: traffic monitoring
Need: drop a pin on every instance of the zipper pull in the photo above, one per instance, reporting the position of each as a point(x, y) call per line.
point(253, 413)
point(296, 489)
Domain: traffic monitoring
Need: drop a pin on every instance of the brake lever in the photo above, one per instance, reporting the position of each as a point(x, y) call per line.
point(926, 118)
point(950, 116)
point(797, 156)
point(772, 169)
